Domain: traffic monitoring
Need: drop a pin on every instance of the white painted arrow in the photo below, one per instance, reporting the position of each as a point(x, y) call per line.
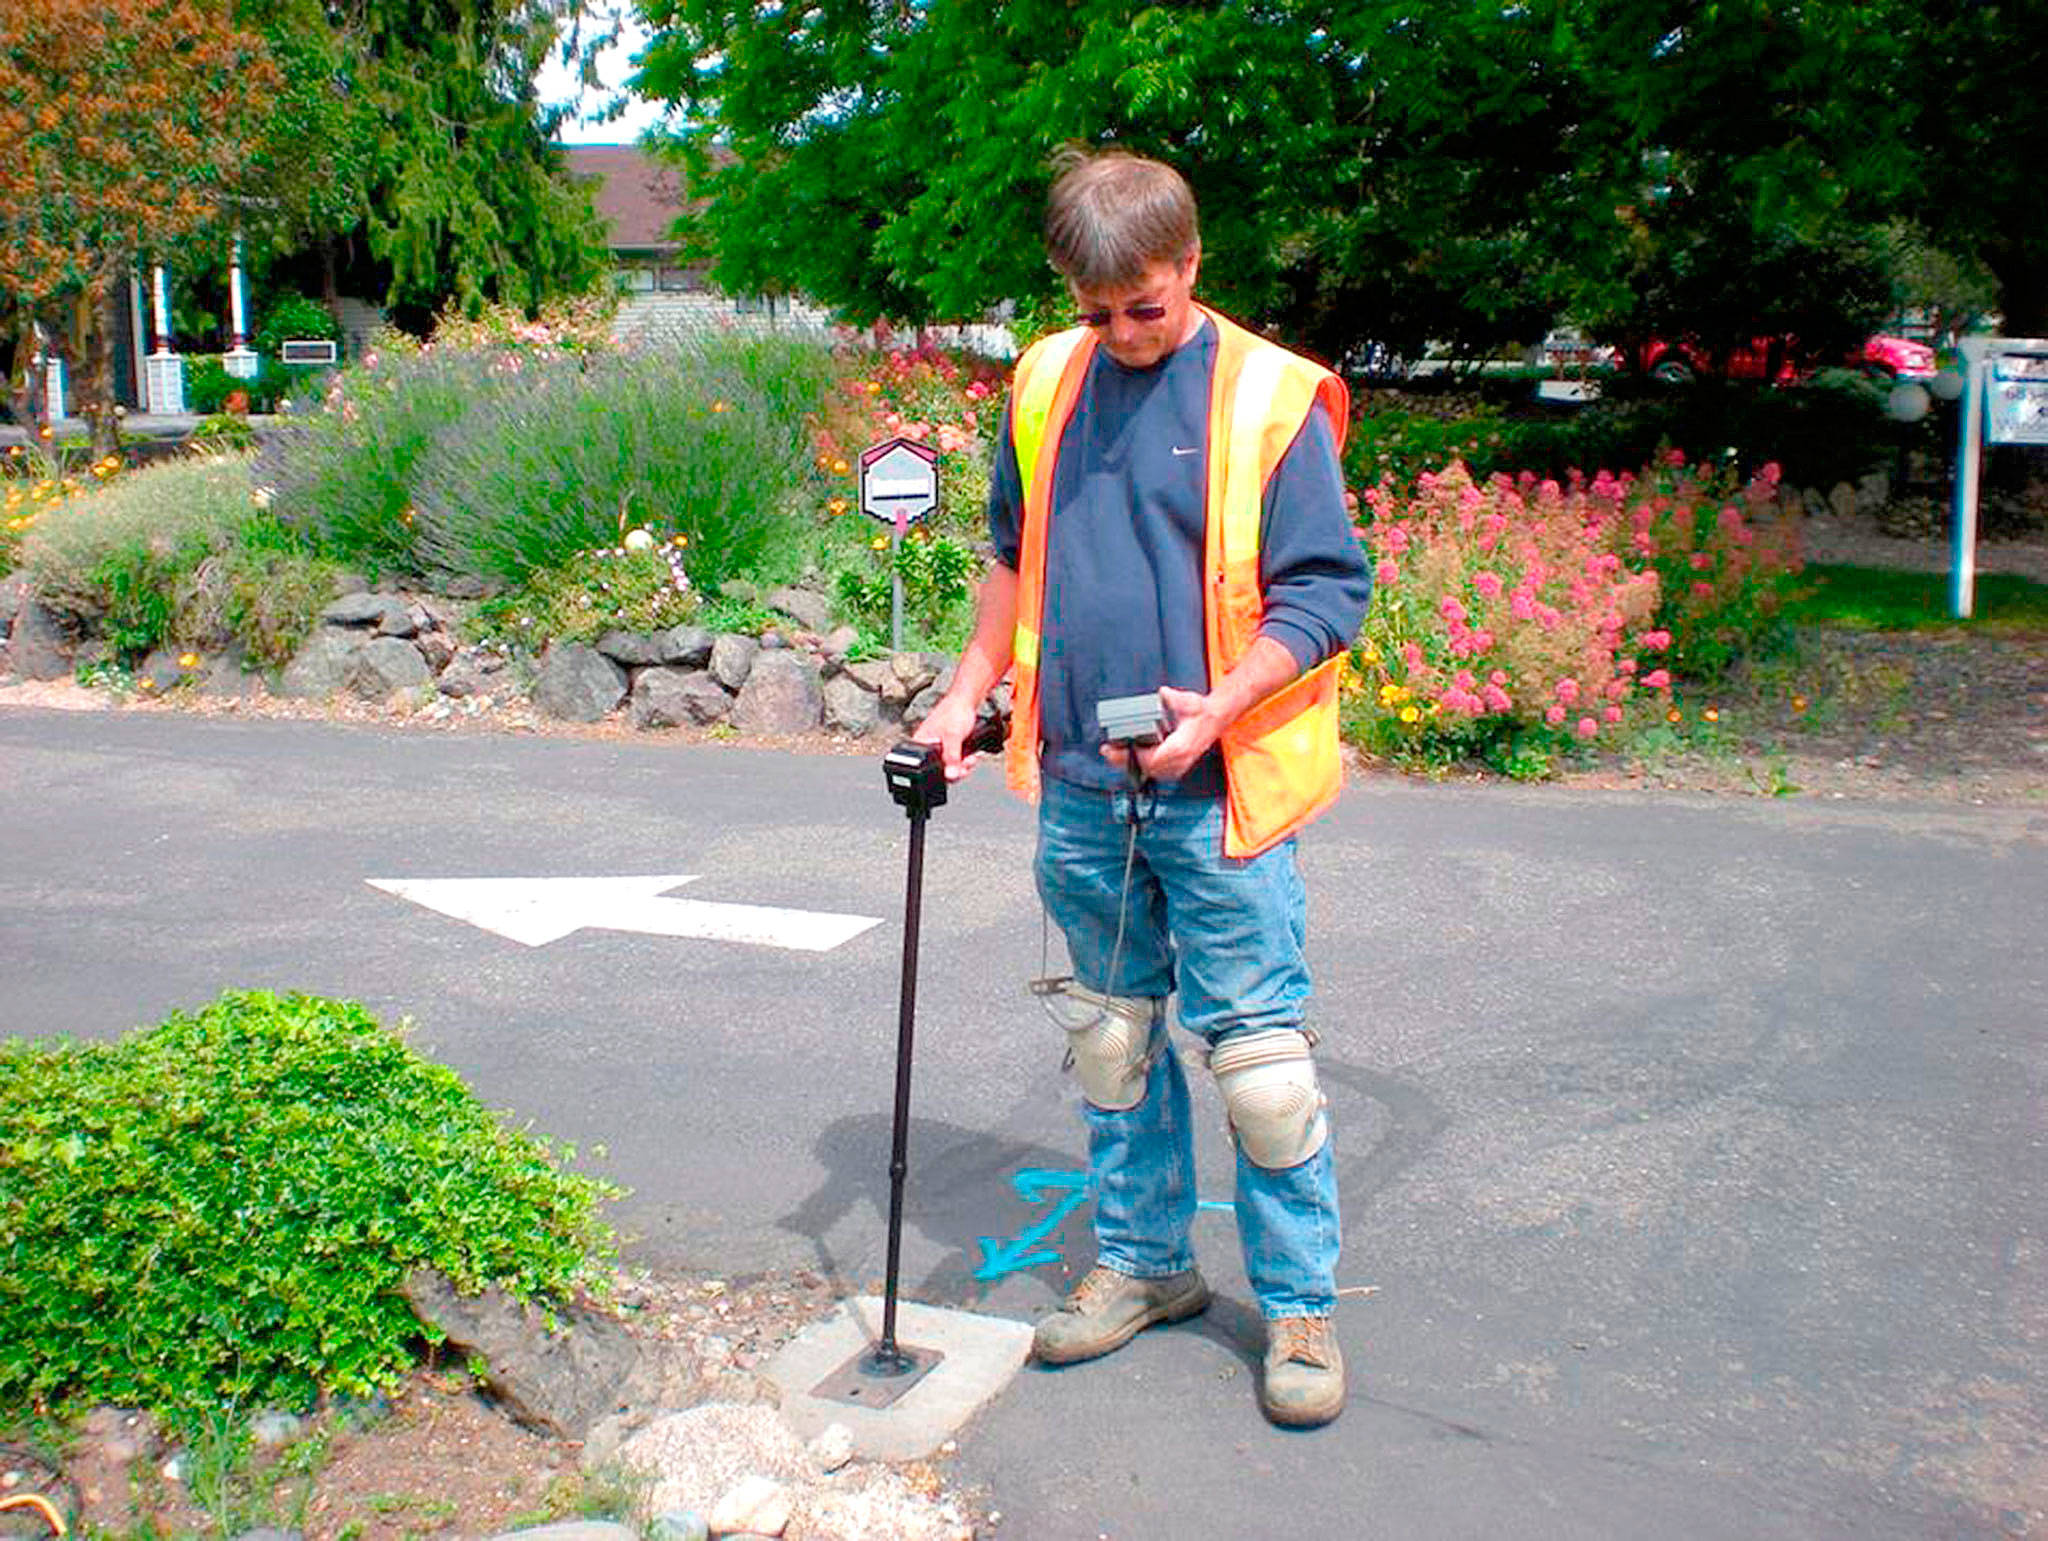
point(537, 911)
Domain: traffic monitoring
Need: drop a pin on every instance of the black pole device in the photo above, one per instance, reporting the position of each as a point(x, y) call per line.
point(916, 775)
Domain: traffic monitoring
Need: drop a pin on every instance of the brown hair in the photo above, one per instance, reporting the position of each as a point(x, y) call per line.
point(1111, 215)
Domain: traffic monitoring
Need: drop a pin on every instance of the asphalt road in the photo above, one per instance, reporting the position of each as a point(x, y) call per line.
point(1692, 1150)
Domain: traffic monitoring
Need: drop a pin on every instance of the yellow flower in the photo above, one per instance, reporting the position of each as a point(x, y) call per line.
point(719, 406)
point(188, 660)
point(46, 432)
point(839, 468)
point(880, 543)
point(837, 506)
point(1799, 703)
point(1674, 715)
point(874, 389)
point(1410, 714)
point(1711, 715)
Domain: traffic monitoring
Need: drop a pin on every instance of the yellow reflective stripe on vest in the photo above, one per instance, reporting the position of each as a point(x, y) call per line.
point(1244, 483)
point(1037, 382)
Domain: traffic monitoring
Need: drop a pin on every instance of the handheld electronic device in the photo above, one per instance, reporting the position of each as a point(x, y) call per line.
point(1132, 720)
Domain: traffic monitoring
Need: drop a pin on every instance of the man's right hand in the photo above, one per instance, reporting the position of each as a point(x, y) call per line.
point(948, 726)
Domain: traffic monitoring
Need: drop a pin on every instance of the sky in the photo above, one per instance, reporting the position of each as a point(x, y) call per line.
point(557, 85)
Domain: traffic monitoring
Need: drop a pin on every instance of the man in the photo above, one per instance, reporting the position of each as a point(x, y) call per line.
point(1168, 516)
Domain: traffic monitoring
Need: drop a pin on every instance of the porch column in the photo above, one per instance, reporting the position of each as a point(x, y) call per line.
point(239, 361)
point(165, 368)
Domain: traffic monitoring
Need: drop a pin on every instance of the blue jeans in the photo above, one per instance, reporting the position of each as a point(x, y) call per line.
point(1228, 936)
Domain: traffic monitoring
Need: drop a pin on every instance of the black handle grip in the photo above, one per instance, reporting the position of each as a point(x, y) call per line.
point(991, 727)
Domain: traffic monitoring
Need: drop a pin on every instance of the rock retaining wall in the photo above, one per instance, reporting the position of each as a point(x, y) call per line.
point(380, 646)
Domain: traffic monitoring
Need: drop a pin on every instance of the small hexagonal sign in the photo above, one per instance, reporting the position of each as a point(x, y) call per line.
point(899, 481)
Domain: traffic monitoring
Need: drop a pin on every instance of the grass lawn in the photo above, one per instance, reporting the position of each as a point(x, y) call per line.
point(1882, 599)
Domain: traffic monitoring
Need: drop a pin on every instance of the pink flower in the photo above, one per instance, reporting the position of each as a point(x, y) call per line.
point(1586, 727)
point(1452, 611)
point(1612, 714)
point(1386, 572)
point(1554, 716)
point(1411, 654)
point(1497, 700)
point(1703, 591)
point(1498, 677)
point(1701, 561)
point(1625, 665)
point(1650, 641)
point(1522, 605)
point(1567, 691)
point(1657, 679)
point(1397, 537)
point(1488, 584)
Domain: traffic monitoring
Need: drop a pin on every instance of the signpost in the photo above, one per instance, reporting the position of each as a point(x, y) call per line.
point(2005, 401)
point(899, 485)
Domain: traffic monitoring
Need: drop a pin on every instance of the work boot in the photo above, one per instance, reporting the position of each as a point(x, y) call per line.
point(1304, 1385)
point(1107, 1309)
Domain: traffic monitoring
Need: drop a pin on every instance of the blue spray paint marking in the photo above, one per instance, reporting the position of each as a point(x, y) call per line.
point(1032, 1185)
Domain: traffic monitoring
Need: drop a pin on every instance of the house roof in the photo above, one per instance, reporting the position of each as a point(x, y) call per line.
point(637, 196)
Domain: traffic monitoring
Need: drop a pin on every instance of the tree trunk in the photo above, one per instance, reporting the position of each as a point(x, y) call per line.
point(330, 293)
point(25, 383)
point(98, 316)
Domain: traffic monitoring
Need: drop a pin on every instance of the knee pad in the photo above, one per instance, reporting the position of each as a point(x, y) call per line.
point(1109, 1042)
point(1268, 1081)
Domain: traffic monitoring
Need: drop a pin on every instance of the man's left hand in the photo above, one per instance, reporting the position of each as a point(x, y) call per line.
point(1198, 721)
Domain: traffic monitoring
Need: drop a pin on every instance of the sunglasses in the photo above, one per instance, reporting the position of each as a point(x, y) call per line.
point(1141, 313)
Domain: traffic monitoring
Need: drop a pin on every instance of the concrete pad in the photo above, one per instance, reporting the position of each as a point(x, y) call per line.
point(982, 1354)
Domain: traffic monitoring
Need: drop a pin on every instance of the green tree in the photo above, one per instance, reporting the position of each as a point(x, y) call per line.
point(413, 127)
point(120, 135)
point(1379, 169)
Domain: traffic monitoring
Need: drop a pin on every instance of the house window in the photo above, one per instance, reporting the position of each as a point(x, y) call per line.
point(674, 280)
point(637, 280)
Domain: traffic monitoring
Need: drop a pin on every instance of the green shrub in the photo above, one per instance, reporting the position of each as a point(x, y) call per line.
point(122, 558)
point(345, 477)
point(222, 431)
point(294, 316)
point(221, 1208)
point(1829, 429)
point(579, 600)
point(1396, 436)
point(265, 591)
point(698, 439)
point(937, 575)
point(208, 384)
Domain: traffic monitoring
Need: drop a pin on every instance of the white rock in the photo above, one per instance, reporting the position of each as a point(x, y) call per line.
point(758, 1505)
point(833, 1447)
point(690, 1455)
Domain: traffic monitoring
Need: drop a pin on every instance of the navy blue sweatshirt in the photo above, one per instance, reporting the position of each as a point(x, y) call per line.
point(1123, 579)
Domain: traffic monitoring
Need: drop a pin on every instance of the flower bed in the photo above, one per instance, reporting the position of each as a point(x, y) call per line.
point(1514, 617)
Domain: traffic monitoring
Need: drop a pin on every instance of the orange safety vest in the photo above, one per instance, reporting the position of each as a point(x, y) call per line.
point(1280, 760)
